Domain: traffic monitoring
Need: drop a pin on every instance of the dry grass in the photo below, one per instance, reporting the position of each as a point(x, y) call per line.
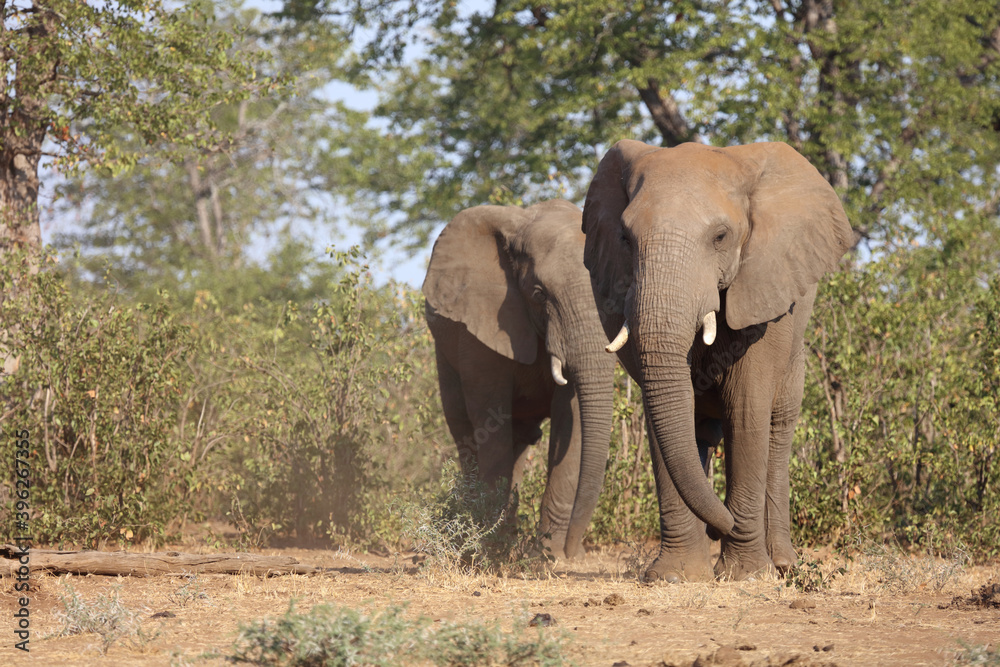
point(884, 609)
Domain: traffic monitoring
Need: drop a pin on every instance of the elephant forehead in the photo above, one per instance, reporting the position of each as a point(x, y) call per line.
point(683, 207)
point(700, 186)
point(552, 242)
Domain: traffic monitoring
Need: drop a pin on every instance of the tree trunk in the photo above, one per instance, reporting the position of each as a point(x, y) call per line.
point(121, 563)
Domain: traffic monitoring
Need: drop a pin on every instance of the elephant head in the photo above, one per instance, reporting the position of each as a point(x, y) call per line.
point(515, 278)
point(677, 237)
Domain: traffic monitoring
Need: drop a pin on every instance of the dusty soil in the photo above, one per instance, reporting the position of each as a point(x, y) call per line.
point(884, 610)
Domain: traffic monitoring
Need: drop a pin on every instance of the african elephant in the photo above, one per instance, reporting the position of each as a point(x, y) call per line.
point(518, 340)
point(674, 236)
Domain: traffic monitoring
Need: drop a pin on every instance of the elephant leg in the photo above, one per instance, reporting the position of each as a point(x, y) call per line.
point(708, 434)
point(684, 546)
point(453, 404)
point(565, 441)
point(747, 442)
point(488, 392)
point(526, 432)
point(783, 420)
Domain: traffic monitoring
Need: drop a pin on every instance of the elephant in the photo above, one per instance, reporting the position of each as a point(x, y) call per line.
point(730, 242)
point(517, 340)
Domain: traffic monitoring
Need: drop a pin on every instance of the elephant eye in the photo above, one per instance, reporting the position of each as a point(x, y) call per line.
point(538, 295)
point(720, 237)
point(625, 239)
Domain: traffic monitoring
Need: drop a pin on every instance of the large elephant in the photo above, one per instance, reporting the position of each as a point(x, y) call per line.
point(518, 340)
point(674, 236)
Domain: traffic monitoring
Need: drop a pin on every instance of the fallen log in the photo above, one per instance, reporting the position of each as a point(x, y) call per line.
point(114, 563)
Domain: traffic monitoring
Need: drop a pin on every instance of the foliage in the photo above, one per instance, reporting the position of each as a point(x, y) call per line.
point(895, 103)
point(469, 527)
point(327, 635)
point(300, 397)
point(97, 392)
point(977, 655)
point(106, 616)
point(809, 575)
point(85, 72)
point(899, 432)
point(183, 210)
point(315, 402)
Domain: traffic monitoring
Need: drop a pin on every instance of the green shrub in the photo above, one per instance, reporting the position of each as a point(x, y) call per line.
point(899, 432)
point(327, 635)
point(320, 407)
point(97, 392)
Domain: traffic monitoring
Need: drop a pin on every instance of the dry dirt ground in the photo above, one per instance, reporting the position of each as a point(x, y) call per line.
point(885, 610)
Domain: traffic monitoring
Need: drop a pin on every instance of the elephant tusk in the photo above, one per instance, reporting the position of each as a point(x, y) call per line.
point(708, 333)
point(619, 340)
point(557, 371)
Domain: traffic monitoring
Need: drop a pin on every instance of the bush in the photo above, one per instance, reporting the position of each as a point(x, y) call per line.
point(97, 392)
point(899, 433)
point(327, 635)
point(107, 616)
point(467, 527)
point(319, 407)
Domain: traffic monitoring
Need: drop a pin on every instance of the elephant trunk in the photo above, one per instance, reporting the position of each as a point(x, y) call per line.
point(664, 329)
point(595, 394)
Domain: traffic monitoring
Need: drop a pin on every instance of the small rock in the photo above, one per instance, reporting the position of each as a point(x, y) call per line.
point(544, 620)
point(614, 600)
point(644, 612)
point(746, 647)
point(621, 663)
point(725, 656)
point(476, 594)
point(419, 559)
point(802, 603)
point(164, 614)
point(592, 602)
point(568, 602)
point(828, 648)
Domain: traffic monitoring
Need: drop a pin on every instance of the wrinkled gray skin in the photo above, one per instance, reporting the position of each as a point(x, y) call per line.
point(745, 232)
point(508, 302)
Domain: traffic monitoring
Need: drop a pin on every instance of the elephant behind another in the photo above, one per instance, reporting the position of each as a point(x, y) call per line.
point(518, 340)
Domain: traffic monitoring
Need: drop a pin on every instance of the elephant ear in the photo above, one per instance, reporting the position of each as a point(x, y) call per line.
point(604, 254)
point(798, 232)
point(470, 279)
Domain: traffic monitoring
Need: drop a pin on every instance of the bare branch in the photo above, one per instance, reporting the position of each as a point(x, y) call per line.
point(666, 115)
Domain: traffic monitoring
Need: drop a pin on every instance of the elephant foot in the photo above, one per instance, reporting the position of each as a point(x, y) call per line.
point(554, 546)
point(737, 564)
point(783, 555)
point(675, 567)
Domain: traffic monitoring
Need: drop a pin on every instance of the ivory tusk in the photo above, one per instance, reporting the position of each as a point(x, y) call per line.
point(619, 340)
point(557, 371)
point(708, 333)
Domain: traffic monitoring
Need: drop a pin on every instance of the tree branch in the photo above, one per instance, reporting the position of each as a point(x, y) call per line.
point(666, 115)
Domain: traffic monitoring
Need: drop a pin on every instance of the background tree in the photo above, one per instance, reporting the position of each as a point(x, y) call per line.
point(196, 210)
point(88, 83)
point(896, 103)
